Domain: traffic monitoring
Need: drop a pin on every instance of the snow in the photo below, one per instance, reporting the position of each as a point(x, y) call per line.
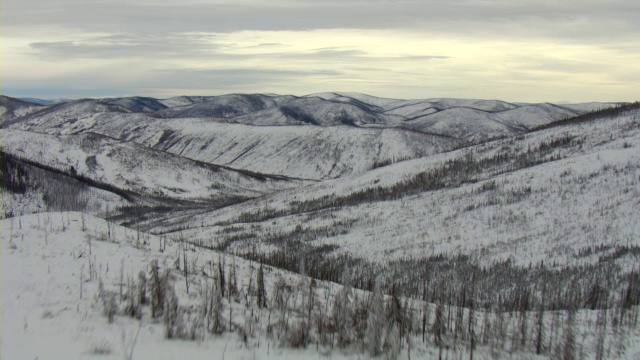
point(11, 108)
point(309, 152)
point(594, 189)
point(129, 166)
point(584, 194)
point(50, 305)
point(52, 308)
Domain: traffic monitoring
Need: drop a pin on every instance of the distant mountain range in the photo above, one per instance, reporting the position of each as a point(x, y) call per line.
point(44, 101)
point(319, 136)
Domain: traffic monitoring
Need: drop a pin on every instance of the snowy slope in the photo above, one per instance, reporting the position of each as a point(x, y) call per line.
point(138, 103)
point(60, 270)
point(132, 167)
point(464, 123)
point(225, 106)
point(44, 101)
point(185, 100)
point(279, 110)
point(52, 305)
point(296, 151)
point(348, 97)
point(475, 124)
point(58, 114)
point(530, 116)
point(11, 108)
point(580, 189)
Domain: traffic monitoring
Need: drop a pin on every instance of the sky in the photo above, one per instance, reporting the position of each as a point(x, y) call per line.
point(513, 50)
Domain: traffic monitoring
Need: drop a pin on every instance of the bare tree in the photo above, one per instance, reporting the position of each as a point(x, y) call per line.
point(343, 308)
point(375, 322)
point(261, 297)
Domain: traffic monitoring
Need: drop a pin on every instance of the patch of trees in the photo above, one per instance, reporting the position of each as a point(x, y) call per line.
point(466, 168)
point(15, 178)
point(613, 111)
point(446, 319)
point(298, 114)
point(498, 285)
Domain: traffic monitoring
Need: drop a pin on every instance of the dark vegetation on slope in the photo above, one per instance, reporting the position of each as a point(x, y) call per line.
point(445, 278)
point(594, 285)
point(453, 173)
point(592, 115)
point(69, 173)
point(69, 191)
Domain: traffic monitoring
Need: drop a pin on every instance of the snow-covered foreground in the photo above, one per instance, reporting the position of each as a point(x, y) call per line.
point(59, 271)
point(51, 307)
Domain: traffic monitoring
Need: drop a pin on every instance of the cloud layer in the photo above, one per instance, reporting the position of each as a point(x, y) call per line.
point(515, 50)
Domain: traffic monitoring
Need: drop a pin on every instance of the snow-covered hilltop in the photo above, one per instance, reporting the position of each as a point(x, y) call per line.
point(495, 229)
point(11, 108)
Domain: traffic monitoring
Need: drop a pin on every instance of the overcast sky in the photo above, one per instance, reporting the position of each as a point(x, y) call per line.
point(515, 50)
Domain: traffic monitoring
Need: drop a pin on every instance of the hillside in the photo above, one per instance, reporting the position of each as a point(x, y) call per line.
point(55, 115)
point(278, 110)
point(138, 104)
point(225, 106)
point(563, 196)
point(134, 168)
point(81, 287)
point(464, 123)
point(310, 152)
point(11, 108)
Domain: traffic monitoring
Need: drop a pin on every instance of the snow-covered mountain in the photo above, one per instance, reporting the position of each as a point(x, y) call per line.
point(11, 108)
point(318, 136)
point(44, 101)
point(312, 152)
point(134, 168)
point(55, 115)
point(495, 201)
point(138, 103)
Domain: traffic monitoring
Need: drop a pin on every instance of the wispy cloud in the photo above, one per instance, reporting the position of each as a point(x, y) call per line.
point(128, 46)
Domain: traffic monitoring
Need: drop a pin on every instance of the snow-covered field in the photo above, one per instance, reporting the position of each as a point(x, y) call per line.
point(52, 307)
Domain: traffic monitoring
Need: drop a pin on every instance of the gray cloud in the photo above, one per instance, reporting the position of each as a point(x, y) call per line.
point(571, 19)
point(128, 46)
point(152, 31)
point(547, 63)
point(152, 82)
point(221, 79)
